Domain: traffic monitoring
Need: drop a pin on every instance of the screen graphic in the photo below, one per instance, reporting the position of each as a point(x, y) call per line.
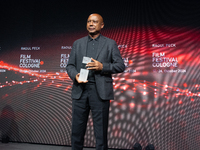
point(156, 97)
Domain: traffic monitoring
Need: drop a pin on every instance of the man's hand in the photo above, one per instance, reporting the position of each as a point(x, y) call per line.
point(95, 65)
point(77, 79)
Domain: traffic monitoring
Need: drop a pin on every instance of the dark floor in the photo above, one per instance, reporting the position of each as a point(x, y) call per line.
point(27, 146)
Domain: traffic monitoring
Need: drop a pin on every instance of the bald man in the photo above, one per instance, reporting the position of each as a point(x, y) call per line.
point(96, 92)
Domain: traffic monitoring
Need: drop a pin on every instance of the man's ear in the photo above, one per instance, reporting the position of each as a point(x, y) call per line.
point(102, 25)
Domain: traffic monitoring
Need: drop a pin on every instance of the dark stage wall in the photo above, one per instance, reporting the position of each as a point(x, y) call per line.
point(157, 97)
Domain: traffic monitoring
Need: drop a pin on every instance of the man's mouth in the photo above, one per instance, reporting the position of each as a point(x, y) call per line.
point(91, 28)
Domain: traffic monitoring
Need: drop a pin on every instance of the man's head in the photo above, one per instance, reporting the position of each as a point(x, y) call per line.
point(95, 24)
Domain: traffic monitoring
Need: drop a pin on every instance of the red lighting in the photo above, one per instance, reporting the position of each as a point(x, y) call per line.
point(185, 84)
point(132, 105)
point(41, 62)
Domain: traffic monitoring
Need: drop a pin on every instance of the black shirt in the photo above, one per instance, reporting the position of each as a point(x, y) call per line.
point(92, 46)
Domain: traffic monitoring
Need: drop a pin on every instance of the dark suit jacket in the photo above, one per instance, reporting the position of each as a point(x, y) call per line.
point(108, 54)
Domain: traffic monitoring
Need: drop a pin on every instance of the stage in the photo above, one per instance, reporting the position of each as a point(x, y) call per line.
point(28, 146)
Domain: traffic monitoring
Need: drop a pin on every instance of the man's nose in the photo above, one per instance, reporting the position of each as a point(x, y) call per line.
point(91, 23)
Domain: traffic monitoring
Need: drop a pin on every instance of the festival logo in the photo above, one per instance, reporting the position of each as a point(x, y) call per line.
point(64, 60)
point(26, 61)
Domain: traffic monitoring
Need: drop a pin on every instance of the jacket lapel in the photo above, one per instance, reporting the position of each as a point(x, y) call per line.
point(84, 45)
point(100, 46)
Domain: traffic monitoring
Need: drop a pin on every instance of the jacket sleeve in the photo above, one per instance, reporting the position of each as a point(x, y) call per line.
point(71, 65)
point(116, 65)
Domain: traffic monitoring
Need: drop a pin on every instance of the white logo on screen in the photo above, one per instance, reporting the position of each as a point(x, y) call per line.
point(64, 60)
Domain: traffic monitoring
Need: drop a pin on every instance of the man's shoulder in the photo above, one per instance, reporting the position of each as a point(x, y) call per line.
point(85, 38)
point(108, 39)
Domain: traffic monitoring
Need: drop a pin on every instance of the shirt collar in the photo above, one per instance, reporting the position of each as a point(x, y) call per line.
point(96, 39)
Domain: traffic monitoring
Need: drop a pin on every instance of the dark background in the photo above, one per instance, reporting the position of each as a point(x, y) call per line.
point(38, 110)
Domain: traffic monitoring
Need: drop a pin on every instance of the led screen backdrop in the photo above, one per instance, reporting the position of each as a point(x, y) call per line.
point(156, 97)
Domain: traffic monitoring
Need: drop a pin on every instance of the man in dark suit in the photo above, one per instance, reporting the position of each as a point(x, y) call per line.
point(95, 93)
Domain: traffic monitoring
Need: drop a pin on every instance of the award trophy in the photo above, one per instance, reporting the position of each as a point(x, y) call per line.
point(84, 72)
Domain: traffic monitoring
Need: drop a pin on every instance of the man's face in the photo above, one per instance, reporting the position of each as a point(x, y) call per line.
point(94, 24)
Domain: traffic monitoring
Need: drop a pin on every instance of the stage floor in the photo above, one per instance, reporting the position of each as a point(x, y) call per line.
point(27, 146)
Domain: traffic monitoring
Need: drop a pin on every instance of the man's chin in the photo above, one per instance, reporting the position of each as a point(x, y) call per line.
point(93, 33)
